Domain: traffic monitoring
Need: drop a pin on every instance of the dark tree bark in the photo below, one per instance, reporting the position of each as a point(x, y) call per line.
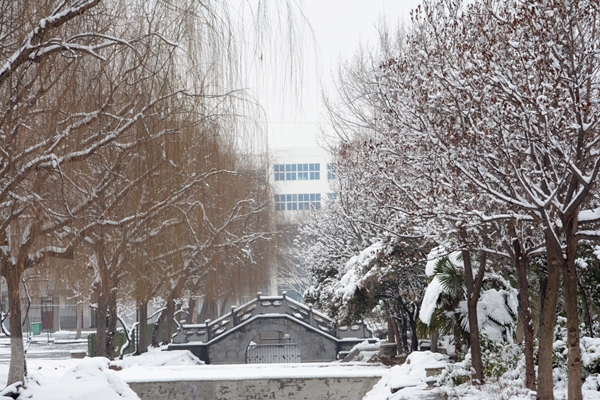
point(101, 311)
point(473, 292)
point(112, 323)
point(396, 335)
point(521, 263)
point(17, 368)
point(548, 318)
point(192, 317)
point(208, 311)
point(414, 342)
point(572, 308)
point(390, 327)
point(586, 305)
point(405, 349)
point(434, 341)
point(224, 310)
point(457, 343)
point(168, 321)
point(79, 319)
point(157, 328)
point(143, 326)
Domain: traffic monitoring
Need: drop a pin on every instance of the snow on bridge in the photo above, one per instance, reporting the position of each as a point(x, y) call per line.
point(269, 329)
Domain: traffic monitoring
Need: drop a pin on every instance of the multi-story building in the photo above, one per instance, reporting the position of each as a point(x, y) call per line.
point(301, 178)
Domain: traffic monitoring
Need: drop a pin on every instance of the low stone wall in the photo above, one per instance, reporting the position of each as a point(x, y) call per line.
point(352, 388)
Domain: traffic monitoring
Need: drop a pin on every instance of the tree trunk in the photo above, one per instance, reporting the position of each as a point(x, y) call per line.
point(390, 328)
point(112, 323)
point(101, 324)
point(434, 341)
point(414, 343)
point(209, 310)
point(192, 317)
point(168, 321)
point(396, 336)
point(157, 327)
point(457, 343)
point(79, 319)
point(572, 307)
point(586, 308)
point(473, 291)
point(548, 318)
point(404, 336)
point(224, 309)
point(142, 327)
point(521, 263)
point(17, 369)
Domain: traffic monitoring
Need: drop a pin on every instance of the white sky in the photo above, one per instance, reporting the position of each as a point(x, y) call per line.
point(294, 118)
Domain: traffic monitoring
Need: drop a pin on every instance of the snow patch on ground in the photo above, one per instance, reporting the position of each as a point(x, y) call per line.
point(407, 381)
point(88, 378)
point(250, 371)
point(157, 358)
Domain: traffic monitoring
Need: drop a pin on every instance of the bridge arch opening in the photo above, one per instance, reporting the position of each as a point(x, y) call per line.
point(272, 347)
point(273, 343)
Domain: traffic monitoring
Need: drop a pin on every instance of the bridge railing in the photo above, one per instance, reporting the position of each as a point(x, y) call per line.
point(265, 305)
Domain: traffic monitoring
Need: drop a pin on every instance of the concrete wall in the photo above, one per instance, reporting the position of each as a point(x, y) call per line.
point(289, 389)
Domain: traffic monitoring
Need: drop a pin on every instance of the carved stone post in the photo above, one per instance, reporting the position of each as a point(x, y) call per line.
point(208, 332)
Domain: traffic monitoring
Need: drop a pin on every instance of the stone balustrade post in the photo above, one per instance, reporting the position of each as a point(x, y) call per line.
point(233, 316)
point(208, 331)
point(258, 304)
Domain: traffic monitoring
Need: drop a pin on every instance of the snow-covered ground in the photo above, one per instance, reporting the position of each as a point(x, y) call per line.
point(53, 346)
point(54, 375)
point(92, 379)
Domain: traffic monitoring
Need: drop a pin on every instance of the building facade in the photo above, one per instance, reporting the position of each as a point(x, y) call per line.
point(302, 179)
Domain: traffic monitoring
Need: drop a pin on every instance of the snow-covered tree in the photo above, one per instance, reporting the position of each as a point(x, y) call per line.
point(497, 308)
point(484, 124)
point(94, 99)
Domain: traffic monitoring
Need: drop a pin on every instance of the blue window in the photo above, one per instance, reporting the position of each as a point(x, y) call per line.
point(279, 170)
point(293, 202)
point(290, 172)
point(302, 172)
point(280, 202)
point(330, 172)
point(315, 200)
point(303, 203)
point(332, 196)
point(315, 173)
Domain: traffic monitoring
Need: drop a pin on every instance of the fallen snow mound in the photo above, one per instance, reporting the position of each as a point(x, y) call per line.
point(406, 380)
point(156, 357)
point(88, 379)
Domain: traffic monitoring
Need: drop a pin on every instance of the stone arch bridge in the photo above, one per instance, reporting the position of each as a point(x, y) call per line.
point(303, 334)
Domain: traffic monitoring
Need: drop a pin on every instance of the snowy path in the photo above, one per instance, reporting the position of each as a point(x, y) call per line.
point(57, 346)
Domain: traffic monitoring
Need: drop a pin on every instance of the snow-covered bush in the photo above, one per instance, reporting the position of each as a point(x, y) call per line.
point(500, 358)
point(497, 308)
point(504, 367)
point(456, 374)
point(590, 357)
